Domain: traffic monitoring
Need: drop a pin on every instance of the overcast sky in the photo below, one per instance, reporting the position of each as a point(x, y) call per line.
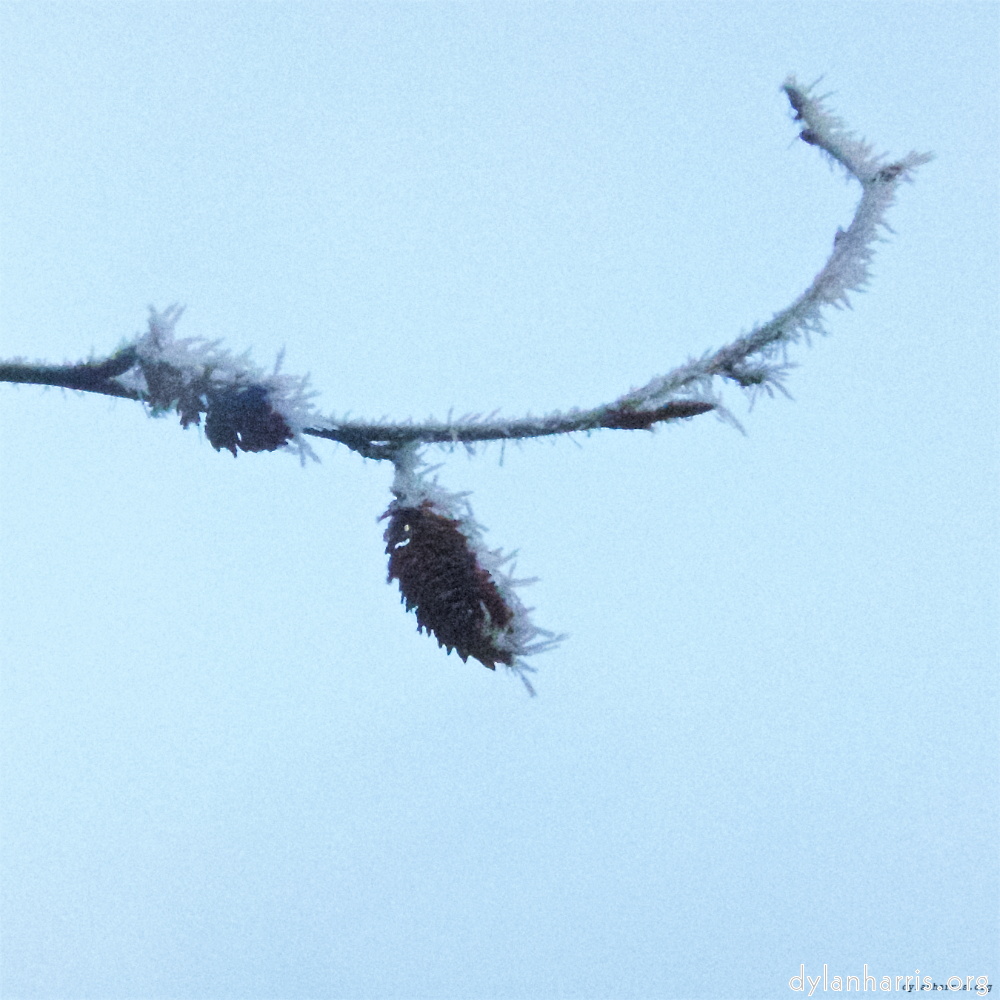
point(233, 769)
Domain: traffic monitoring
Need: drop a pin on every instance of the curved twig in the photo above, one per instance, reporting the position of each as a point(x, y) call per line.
point(250, 410)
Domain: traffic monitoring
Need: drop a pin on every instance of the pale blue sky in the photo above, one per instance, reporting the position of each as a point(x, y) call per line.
point(232, 769)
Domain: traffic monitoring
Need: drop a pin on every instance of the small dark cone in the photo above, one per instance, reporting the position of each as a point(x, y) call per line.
point(454, 597)
point(241, 417)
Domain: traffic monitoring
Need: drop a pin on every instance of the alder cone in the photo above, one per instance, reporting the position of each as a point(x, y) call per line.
point(440, 576)
point(242, 417)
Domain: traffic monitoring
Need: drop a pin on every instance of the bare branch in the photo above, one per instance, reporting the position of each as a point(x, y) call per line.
point(88, 376)
point(250, 410)
point(360, 436)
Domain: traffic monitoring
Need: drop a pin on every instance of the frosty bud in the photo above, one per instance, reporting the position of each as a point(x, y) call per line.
point(241, 417)
point(460, 588)
point(455, 598)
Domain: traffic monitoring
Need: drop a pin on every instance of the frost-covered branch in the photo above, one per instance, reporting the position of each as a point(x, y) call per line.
point(250, 410)
point(459, 588)
point(87, 376)
point(749, 360)
point(194, 376)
